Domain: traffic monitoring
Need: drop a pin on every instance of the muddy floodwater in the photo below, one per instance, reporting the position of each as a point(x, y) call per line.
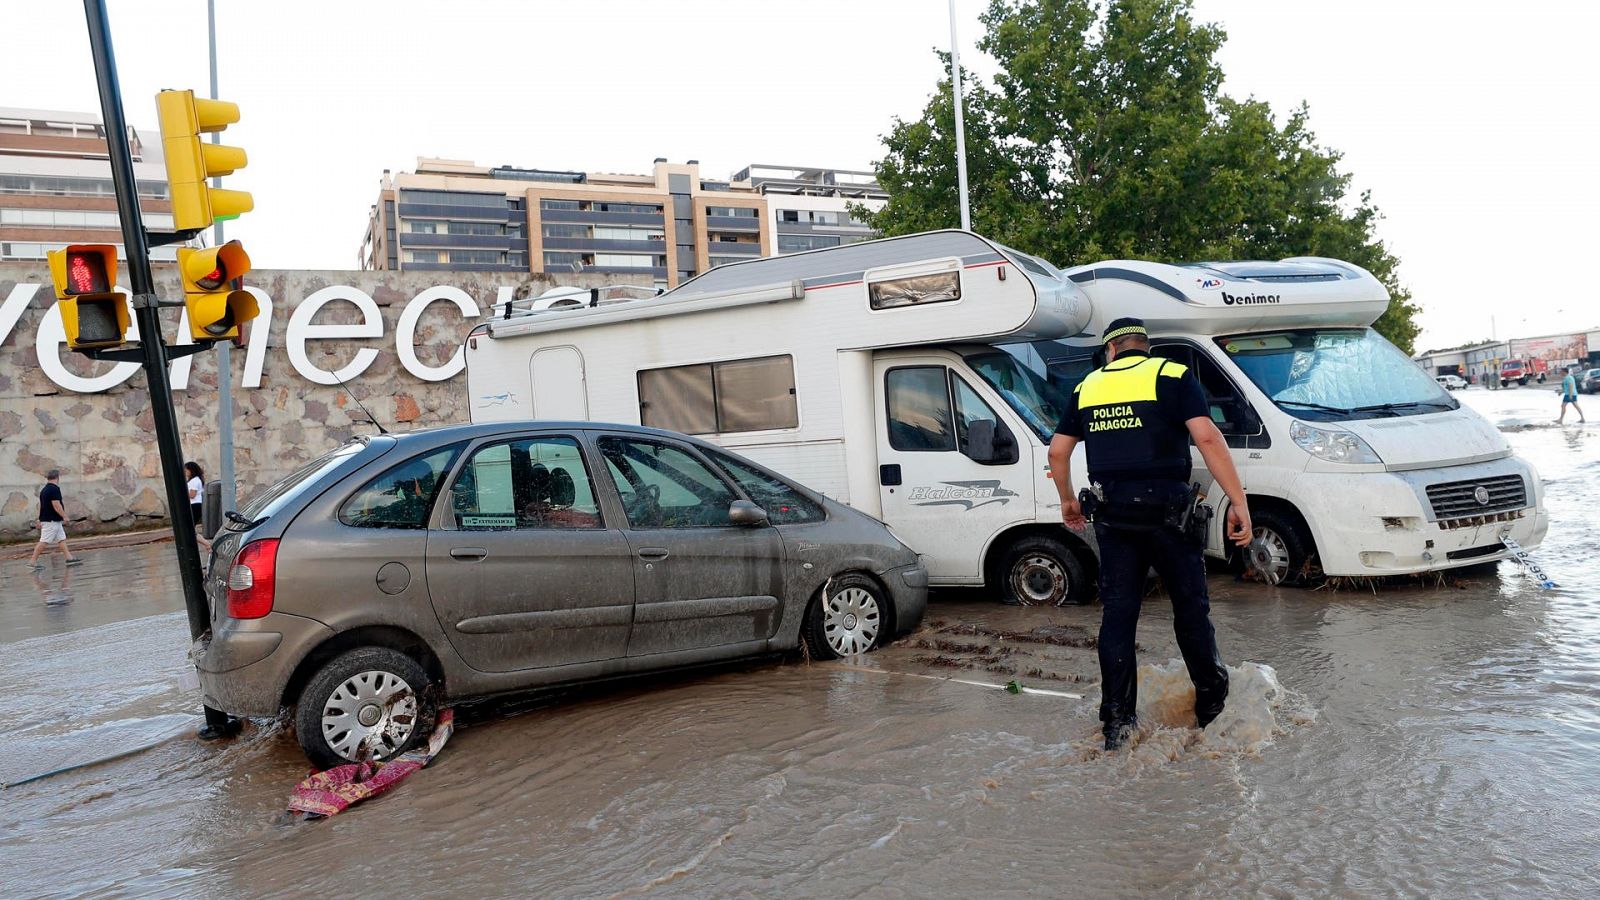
point(1437, 739)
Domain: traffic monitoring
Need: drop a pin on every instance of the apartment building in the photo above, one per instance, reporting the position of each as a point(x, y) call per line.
point(55, 183)
point(671, 224)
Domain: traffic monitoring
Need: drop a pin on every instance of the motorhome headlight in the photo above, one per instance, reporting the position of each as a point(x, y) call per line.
point(1333, 446)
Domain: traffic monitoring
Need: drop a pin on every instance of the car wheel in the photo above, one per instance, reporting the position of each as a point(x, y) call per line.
point(848, 619)
point(1042, 571)
point(1289, 551)
point(372, 702)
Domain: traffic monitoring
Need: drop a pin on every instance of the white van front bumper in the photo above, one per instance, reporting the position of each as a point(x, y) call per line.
point(1386, 523)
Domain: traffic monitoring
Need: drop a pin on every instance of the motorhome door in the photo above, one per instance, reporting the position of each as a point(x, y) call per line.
point(951, 470)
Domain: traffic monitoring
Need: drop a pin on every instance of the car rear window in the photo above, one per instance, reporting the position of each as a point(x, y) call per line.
point(268, 502)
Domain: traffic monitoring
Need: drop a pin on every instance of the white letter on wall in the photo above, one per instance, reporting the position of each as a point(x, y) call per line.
point(405, 333)
point(301, 330)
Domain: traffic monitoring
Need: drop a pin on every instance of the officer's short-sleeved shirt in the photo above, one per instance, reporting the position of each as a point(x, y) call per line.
point(1132, 415)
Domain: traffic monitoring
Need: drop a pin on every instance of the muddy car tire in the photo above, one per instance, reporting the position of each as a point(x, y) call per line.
point(1293, 542)
point(1042, 571)
point(372, 700)
point(851, 618)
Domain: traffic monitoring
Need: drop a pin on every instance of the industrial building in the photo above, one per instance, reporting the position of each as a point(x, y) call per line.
point(672, 224)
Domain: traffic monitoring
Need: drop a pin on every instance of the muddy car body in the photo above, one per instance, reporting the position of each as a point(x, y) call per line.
point(405, 571)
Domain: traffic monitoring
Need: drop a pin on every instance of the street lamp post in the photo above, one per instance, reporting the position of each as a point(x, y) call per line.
point(961, 135)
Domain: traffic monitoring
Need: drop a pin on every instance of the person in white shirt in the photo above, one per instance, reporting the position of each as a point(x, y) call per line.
point(197, 494)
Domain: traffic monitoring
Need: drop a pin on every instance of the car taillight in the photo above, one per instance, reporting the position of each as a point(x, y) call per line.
point(250, 581)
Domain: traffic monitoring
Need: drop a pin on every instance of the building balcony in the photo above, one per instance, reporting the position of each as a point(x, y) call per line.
point(450, 211)
point(733, 248)
point(590, 217)
point(733, 223)
point(591, 245)
point(464, 241)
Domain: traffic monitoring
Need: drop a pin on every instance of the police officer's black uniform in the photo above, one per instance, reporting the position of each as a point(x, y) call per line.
point(1131, 415)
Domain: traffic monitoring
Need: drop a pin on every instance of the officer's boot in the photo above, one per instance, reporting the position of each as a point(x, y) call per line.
point(1117, 733)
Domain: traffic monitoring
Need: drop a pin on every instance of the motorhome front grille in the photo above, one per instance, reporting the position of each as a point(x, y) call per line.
point(1480, 496)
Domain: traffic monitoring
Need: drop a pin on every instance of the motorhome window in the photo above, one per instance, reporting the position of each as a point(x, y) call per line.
point(1027, 262)
point(721, 398)
point(534, 483)
point(784, 504)
point(918, 402)
point(1336, 374)
point(402, 496)
point(916, 290)
point(663, 486)
point(1227, 406)
point(1039, 402)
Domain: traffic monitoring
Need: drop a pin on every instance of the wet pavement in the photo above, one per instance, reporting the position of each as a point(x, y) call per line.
point(1433, 739)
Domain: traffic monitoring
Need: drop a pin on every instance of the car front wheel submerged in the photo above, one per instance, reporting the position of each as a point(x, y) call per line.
point(368, 703)
point(848, 618)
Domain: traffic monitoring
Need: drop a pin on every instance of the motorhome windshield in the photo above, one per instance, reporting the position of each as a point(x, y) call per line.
point(1336, 374)
point(1036, 400)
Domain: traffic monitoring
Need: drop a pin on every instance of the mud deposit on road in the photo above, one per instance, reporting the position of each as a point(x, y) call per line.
point(1436, 739)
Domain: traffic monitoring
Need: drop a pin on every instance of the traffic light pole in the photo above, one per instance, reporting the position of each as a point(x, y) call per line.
point(218, 724)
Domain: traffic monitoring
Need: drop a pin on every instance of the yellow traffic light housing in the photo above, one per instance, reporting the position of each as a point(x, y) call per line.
point(190, 161)
point(94, 313)
point(216, 309)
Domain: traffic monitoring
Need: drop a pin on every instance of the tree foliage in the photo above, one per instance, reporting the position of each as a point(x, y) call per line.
point(1105, 135)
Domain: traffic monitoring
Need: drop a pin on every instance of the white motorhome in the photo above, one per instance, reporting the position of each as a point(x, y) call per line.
point(919, 379)
point(1357, 462)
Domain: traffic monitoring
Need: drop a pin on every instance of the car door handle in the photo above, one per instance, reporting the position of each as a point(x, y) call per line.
point(653, 553)
point(468, 552)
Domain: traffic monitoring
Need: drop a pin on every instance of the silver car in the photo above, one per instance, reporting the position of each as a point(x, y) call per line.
point(400, 573)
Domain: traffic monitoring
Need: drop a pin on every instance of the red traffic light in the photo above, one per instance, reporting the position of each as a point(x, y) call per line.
point(86, 274)
point(217, 278)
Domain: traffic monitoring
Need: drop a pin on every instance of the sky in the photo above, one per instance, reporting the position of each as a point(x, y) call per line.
point(1473, 124)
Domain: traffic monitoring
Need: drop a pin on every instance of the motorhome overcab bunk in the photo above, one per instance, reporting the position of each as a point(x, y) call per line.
point(867, 372)
point(919, 379)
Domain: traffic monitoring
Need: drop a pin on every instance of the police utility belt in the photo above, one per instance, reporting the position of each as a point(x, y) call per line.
point(1148, 506)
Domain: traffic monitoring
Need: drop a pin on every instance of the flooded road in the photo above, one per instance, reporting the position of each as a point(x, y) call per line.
point(1440, 739)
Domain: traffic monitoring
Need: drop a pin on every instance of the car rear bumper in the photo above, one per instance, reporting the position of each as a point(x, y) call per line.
point(245, 664)
point(908, 590)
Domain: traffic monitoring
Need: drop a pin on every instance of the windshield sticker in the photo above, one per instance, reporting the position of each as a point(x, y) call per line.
point(488, 521)
point(967, 494)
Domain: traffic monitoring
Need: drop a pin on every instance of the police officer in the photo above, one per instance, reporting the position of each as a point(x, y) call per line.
point(1137, 414)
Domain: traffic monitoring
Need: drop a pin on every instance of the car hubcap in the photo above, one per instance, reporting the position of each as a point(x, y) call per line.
point(1269, 556)
point(372, 713)
point(1039, 580)
point(851, 623)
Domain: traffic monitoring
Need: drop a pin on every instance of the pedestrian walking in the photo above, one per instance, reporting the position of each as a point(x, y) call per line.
point(52, 522)
point(1569, 394)
point(197, 494)
point(1137, 415)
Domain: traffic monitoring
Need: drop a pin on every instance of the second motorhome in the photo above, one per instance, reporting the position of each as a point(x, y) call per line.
point(920, 378)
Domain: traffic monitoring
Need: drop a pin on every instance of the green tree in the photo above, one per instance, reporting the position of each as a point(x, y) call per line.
point(1105, 134)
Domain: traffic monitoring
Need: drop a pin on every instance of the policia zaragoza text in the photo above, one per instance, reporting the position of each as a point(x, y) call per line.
point(1137, 415)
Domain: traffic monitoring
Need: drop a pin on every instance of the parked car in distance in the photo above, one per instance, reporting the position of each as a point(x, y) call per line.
point(400, 573)
point(1451, 382)
point(1589, 381)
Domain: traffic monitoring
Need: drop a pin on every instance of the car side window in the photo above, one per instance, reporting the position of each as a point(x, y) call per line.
point(532, 483)
point(918, 403)
point(784, 504)
point(402, 496)
point(665, 486)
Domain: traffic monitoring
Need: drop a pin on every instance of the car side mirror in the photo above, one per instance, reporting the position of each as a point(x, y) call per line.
point(743, 512)
point(989, 442)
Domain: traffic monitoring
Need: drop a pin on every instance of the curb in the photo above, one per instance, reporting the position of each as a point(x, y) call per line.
point(92, 542)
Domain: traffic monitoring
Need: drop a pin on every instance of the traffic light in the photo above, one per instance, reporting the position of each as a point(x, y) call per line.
point(94, 312)
point(216, 309)
point(190, 161)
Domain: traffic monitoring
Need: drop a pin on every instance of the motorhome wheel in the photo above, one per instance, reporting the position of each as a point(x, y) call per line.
point(1042, 571)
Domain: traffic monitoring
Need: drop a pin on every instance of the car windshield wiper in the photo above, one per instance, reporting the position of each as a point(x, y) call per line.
point(1409, 404)
point(1317, 406)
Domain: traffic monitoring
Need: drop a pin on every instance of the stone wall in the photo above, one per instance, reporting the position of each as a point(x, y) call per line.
point(104, 443)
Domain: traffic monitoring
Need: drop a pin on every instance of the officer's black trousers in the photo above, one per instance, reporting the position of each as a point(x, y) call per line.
point(1125, 557)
